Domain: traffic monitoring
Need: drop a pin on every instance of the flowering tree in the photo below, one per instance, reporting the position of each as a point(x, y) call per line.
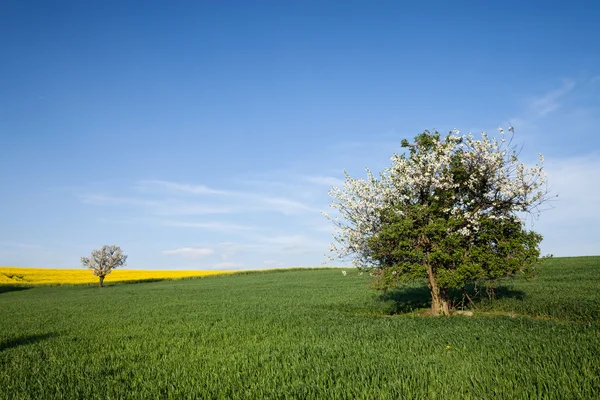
point(447, 210)
point(103, 261)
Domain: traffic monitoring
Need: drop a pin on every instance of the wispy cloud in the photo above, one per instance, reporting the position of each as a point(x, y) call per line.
point(191, 252)
point(260, 222)
point(11, 248)
point(548, 109)
point(298, 243)
point(572, 227)
point(159, 201)
point(324, 180)
point(237, 201)
point(550, 101)
point(272, 263)
point(281, 205)
point(213, 226)
point(175, 187)
point(572, 179)
point(18, 245)
point(169, 208)
point(325, 228)
point(226, 265)
point(222, 250)
point(107, 200)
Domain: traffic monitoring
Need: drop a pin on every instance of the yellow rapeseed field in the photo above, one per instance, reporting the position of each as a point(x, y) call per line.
point(42, 276)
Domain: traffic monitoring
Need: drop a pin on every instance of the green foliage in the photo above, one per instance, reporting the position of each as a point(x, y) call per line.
point(500, 249)
point(433, 233)
point(290, 335)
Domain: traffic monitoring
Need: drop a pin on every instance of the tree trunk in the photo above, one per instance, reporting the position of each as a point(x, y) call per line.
point(439, 298)
point(101, 281)
point(445, 302)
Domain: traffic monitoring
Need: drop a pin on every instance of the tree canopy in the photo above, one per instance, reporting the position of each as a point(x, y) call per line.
point(447, 210)
point(103, 261)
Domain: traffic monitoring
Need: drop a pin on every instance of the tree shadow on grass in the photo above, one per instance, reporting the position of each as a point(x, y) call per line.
point(506, 292)
point(13, 288)
point(112, 284)
point(23, 340)
point(406, 299)
point(411, 298)
point(144, 280)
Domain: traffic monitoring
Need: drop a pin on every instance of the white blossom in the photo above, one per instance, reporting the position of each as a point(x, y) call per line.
point(499, 187)
point(104, 260)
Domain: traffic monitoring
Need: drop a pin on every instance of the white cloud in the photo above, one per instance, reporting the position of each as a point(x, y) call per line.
point(569, 108)
point(572, 227)
point(234, 201)
point(214, 226)
point(575, 182)
point(191, 208)
point(229, 202)
point(298, 244)
point(281, 205)
point(181, 187)
point(549, 102)
point(226, 265)
point(324, 180)
point(18, 245)
point(105, 200)
point(539, 107)
point(325, 228)
point(12, 248)
point(272, 263)
point(191, 252)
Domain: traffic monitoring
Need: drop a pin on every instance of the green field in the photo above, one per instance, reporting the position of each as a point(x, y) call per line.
point(302, 334)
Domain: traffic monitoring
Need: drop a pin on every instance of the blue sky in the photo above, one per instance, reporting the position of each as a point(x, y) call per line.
point(207, 134)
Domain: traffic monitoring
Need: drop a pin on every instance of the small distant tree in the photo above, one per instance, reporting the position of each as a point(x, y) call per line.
point(447, 211)
point(103, 261)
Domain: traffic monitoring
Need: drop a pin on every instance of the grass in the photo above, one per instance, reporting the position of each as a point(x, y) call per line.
point(301, 334)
